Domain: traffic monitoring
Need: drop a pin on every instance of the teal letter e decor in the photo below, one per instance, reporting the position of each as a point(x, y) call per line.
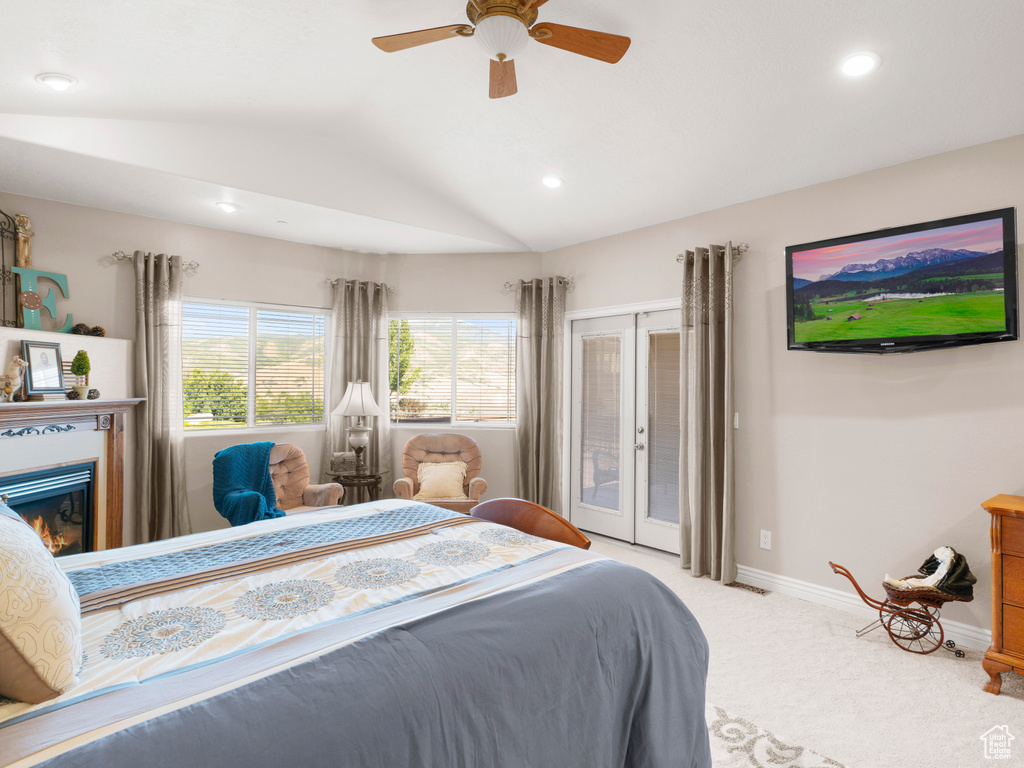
point(28, 283)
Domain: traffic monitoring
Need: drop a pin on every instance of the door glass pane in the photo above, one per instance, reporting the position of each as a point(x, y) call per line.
point(663, 432)
point(601, 421)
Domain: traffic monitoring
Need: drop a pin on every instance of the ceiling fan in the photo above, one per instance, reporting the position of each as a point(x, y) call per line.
point(503, 27)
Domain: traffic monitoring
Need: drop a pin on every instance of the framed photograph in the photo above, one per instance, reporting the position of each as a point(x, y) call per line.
point(45, 374)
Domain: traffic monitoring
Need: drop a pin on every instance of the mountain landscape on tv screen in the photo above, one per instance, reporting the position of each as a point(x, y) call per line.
point(901, 264)
point(932, 292)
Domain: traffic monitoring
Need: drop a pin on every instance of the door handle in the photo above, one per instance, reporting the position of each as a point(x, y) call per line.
point(639, 446)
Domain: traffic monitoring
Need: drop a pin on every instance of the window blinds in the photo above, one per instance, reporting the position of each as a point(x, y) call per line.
point(243, 366)
point(289, 380)
point(486, 370)
point(452, 370)
point(664, 419)
point(215, 365)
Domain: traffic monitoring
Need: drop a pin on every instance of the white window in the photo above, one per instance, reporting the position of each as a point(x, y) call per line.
point(453, 369)
point(248, 365)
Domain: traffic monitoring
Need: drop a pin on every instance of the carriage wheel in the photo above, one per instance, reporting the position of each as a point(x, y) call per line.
point(887, 609)
point(950, 646)
point(916, 630)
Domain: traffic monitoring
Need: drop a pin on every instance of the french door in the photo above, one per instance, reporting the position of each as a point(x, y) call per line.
point(624, 454)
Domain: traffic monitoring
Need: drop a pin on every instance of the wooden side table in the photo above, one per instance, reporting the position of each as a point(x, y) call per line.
point(1007, 650)
point(355, 480)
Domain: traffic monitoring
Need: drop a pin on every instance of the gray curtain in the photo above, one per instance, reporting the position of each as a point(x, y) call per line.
point(706, 459)
point(359, 352)
point(540, 320)
point(161, 507)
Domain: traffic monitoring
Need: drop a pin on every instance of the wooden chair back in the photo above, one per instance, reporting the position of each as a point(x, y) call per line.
point(531, 518)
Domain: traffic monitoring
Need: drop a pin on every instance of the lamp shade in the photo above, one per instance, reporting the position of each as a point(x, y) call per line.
point(501, 36)
point(358, 401)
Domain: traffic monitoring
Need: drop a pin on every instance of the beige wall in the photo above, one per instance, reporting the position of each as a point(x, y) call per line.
point(870, 461)
point(73, 240)
point(457, 282)
point(462, 283)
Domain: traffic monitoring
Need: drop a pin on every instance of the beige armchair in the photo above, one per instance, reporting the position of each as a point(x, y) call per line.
point(446, 449)
point(290, 475)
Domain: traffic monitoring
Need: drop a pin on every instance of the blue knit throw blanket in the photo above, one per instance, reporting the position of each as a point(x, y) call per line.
point(242, 489)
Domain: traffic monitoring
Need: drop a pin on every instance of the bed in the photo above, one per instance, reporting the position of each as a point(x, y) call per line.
point(381, 635)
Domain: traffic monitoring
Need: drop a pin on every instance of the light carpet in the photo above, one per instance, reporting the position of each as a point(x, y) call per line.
point(794, 674)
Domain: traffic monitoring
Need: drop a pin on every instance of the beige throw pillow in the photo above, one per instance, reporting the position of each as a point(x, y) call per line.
point(441, 481)
point(40, 619)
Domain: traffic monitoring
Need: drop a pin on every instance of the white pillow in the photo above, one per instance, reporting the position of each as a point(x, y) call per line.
point(441, 480)
point(40, 618)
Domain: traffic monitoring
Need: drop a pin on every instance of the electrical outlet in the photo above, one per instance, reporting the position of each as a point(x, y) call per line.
point(766, 539)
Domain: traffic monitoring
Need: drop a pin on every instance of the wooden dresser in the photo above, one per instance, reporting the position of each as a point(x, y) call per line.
point(1007, 650)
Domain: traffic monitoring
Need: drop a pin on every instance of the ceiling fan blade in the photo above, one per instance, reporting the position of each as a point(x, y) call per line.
point(586, 42)
point(503, 79)
point(392, 43)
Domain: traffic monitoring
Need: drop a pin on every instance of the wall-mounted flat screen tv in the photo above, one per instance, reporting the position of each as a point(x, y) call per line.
point(940, 284)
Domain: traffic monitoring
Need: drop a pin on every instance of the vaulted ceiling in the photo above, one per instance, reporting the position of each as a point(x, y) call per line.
point(288, 110)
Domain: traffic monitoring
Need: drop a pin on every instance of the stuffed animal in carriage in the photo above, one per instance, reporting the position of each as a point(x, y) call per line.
point(910, 613)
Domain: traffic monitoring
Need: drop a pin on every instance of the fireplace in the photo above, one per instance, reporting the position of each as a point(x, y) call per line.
point(58, 503)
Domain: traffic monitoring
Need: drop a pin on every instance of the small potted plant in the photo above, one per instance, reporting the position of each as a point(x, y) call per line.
point(80, 366)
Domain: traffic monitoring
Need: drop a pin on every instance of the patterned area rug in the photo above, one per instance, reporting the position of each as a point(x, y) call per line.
point(737, 743)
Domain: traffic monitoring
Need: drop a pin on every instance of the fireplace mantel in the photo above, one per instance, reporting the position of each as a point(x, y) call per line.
point(26, 419)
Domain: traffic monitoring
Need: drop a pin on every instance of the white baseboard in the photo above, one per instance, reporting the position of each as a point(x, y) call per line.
point(962, 634)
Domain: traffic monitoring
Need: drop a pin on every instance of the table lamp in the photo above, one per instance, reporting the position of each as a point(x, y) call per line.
point(358, 401)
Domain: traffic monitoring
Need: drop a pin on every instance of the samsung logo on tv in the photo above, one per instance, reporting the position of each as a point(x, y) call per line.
point(888, 344)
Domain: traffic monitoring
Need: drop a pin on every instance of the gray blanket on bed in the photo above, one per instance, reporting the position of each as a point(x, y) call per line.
point(598, 666)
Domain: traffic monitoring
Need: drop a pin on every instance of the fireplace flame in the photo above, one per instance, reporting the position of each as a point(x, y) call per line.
point(53, 543)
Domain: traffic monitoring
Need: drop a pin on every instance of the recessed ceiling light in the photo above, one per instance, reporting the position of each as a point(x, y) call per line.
point(860, 63)
point(56, 81)
point(227, 207)
point(552, 182)
point(281, 221)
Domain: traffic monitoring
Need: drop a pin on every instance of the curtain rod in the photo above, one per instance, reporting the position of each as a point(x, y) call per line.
point(738, 250)
point(188, 267)
point(330, 282)
point(570, 284)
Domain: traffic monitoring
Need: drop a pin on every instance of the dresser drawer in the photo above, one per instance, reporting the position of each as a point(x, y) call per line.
point(1013, 629)
point(1013, 580)
point(1013, 535)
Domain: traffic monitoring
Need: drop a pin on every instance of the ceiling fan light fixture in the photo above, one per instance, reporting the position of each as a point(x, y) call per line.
point(502, 37)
